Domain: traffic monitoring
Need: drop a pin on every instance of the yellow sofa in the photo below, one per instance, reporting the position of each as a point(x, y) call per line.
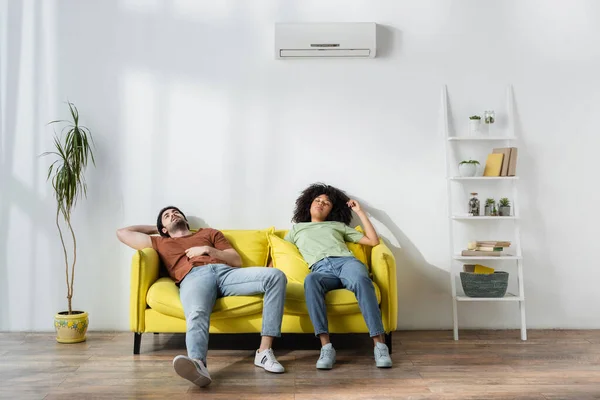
point(155, 305)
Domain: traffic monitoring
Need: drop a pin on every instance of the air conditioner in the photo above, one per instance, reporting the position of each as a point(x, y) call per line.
point(314, 40)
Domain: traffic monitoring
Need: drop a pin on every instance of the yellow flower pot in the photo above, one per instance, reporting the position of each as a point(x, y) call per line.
point(71, 328)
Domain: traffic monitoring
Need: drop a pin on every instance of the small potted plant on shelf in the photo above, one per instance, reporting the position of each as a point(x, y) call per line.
point(468, 168)
point(474, 124)
point(504, 207)
point(489, 206)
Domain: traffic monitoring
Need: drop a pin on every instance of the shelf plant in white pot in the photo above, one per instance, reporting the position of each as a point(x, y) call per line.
point(504, 207)
point(73, 150)
point(468, 168)
point(474, 125)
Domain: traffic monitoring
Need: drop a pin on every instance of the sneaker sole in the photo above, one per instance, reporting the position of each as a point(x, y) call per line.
point(386, 365)
point(187, 369)
point(326, 366)
point(263, 367)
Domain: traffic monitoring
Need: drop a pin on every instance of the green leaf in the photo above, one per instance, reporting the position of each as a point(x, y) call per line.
point(73, 151)
point(56, 121)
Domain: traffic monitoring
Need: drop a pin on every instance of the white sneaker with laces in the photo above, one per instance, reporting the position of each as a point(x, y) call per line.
point(382, 356)
point(327, 358)
point(192, 370)
point(266, 359)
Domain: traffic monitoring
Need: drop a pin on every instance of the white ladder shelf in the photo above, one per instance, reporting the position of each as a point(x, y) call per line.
point(456, 260)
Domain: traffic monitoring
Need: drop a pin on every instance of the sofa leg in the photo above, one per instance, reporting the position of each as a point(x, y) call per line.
point(137, 341)
point(388, 341)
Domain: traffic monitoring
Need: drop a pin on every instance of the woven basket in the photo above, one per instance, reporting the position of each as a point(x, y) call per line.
point(484, 285)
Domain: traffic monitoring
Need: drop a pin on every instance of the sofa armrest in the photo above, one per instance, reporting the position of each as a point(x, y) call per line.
point(383, 268)
point(144, 272)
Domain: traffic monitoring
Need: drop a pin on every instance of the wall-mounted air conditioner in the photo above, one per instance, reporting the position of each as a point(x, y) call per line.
point(313, 40)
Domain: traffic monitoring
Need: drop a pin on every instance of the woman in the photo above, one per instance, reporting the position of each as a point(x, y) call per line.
point(321, 229)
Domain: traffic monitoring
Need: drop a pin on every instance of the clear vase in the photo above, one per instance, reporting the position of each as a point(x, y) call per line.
point(474, 205)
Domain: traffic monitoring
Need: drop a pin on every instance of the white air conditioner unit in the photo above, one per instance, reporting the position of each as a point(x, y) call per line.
point(314, 40)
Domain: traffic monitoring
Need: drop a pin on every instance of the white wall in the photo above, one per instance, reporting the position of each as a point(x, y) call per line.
point(189, 107)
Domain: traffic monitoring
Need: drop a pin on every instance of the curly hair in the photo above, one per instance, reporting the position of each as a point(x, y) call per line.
point(340, 212)
point(159, 224)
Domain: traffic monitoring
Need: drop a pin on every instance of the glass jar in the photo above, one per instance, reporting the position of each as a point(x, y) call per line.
point(489, 116)
point(474, 205)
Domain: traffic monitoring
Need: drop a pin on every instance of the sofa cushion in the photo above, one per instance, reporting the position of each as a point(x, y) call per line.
point(359, 250)
point(288, 259)
point(338, 302)
point(252, 245)
point(163, 296)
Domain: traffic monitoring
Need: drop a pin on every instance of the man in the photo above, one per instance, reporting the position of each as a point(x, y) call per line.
point(206, 266)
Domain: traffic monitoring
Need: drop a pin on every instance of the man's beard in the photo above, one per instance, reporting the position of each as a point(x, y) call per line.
point(179, 225)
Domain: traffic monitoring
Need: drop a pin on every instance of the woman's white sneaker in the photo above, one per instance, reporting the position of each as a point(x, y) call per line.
point(382, 356)
point(327, 358)
point(192, 370)
point(266, 359)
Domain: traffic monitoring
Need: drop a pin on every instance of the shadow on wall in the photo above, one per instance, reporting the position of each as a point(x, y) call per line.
point(25, 91)
point(8, 115)
point(34, 214)
point(416, 277)
point(196, 222)
point(386, 36)
point(10, 185)
point(534, 221)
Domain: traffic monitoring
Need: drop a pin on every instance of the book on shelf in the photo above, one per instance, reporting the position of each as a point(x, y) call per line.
point(505, 159)
point(489, 248)
point(512, 163)
point(492, 243)
point(479, 253)
point(509, 161)
point(493, 165)
point(477, 269)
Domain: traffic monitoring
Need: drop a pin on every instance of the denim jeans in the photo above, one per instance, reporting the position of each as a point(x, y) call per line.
point(204, 284)
point(336, 273)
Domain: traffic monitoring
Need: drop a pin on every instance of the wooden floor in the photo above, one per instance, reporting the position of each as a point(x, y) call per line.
point(427, 365)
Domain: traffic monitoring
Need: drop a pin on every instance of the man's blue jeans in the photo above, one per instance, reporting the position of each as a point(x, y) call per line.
point(204, 284)
point(336, 273)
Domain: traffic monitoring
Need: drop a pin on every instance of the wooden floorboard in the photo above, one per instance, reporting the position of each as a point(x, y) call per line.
point(552, 364)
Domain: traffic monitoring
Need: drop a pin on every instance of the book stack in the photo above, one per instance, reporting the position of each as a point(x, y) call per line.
point(502, 162)
point(487, 248)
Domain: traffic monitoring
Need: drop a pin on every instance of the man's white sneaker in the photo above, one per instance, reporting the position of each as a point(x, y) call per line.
point(266, 359)
point(327, 358)
point(382, 356)
point(192, 370)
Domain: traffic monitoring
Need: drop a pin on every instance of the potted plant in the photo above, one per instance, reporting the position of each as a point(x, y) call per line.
point(489, 206)
point(504, 207)
point(474, 124)
point(468, 168)
point(73, 151)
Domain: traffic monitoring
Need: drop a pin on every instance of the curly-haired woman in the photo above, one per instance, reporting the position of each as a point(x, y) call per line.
point(321, 230)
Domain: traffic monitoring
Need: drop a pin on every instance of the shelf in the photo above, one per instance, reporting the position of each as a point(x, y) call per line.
point(483, 178)
point(458, 257)
point(480, 138)
point(460, 222)
point(481, 218)
point(507, 297)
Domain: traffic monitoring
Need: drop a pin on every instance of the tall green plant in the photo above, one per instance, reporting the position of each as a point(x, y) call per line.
point(73, 150)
